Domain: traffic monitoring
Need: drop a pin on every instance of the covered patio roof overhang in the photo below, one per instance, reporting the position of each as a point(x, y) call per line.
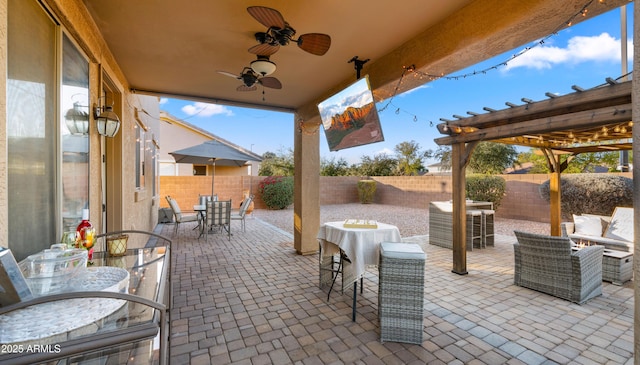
point(594, 120)
point(178, 56)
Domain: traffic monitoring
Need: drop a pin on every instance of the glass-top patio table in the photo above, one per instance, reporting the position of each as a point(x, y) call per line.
point(101, 325)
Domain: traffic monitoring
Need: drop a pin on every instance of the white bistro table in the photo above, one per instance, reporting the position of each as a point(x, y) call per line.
point(360, 246)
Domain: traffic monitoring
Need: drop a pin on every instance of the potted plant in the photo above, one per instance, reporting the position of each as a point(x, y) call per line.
point(366, 191)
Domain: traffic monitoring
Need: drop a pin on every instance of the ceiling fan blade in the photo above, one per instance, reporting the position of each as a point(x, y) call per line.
point(229, 74)
point(267, 16)
point(271, 82)
point(315, 43)
point(246, 88)
point(264, 49)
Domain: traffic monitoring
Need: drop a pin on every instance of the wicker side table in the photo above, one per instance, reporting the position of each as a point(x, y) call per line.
point(617, 266)
point(401, 292)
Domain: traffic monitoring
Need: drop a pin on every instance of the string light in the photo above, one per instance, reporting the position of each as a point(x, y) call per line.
point(420, 75)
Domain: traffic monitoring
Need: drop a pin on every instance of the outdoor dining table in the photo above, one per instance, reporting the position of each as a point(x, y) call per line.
point(360, 246)
point(201, 210)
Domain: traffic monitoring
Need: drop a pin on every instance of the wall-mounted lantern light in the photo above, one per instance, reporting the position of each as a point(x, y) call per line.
point(107, 121)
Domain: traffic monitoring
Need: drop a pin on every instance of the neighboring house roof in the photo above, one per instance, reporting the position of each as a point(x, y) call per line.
point(437, 167)
point(166, 117)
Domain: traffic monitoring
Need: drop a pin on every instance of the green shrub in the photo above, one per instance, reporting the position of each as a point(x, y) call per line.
point(487, 188)
point(277, 191)
point(366, 191)
point(591, 193)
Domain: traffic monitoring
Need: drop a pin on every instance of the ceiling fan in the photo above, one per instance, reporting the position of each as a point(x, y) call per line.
point(280, 33)
point(250, 80)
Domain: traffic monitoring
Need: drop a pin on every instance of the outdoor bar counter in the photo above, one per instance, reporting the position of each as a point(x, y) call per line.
point(441, 223)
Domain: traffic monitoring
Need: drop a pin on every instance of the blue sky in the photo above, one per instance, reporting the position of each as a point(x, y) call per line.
point(584, 54)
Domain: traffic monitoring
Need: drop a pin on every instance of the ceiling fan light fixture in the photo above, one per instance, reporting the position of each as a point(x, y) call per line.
point(263, 66)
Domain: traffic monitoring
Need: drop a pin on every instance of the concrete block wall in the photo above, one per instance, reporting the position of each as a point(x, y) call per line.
point(412, 191)
point(522, 200)
point(186, 190)
point(338, 189)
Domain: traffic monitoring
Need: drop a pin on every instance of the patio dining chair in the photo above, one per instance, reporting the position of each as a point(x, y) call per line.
point(177, 213)
point(218, 217)
point(241, 214)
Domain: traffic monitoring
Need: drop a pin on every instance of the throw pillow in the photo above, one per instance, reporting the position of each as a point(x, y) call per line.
point(587, 225)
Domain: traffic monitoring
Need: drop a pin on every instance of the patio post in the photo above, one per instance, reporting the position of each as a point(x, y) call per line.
point(460, 155)
point(555, 198)
point(306, 202)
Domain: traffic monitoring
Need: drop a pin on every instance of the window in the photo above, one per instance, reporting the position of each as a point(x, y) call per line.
point(154, 165)
point(140, 155)
point(199, 170)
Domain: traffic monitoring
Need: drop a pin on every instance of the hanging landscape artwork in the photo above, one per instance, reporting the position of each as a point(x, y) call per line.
point(350, 117)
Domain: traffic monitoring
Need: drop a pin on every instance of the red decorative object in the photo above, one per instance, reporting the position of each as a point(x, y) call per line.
point(85, 233)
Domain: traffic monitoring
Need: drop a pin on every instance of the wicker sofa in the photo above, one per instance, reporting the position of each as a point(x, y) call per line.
point(614, 233)
point(547, 264)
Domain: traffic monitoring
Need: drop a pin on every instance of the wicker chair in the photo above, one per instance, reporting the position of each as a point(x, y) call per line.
point(547, 264)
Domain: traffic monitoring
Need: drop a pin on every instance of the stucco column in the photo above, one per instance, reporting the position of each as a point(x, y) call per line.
point(306, 203)
point(635, 99)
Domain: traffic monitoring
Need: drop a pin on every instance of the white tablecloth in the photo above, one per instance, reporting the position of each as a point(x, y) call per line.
point(361, 245)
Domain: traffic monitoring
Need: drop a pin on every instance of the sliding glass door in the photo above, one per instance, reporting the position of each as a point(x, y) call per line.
point(47, 160)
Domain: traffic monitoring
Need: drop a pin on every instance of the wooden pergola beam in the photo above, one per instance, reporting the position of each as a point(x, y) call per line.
point(582, 119)
point(609, 95)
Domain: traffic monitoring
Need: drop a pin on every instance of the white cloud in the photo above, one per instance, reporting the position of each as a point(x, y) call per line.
point(163, 101)
point(206, 110)
point(386, 151)
point(579, 49)
point(408, 92)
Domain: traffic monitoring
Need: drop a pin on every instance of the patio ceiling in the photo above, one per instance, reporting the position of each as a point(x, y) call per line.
point(174, 48)
point(595, 120)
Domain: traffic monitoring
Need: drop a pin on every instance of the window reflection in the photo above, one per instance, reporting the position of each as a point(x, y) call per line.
point(74, 128)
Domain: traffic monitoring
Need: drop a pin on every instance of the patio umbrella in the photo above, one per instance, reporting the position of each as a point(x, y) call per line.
point(211, 153)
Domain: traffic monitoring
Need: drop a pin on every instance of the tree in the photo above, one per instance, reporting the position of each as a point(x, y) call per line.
point(581, 163)
point(538, 161)
point(587, 162)
point(331, 167)
point(410, 158)
point(280, 164)
point(492, 158)
point(380, 165)
point(443, 154)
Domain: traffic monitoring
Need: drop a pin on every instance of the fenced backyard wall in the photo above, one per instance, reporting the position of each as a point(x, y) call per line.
point(522, 200)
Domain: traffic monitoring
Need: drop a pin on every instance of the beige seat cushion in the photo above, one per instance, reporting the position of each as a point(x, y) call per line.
point(621, 226)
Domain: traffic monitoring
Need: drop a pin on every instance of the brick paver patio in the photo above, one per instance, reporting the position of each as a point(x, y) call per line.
point(253, 300)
